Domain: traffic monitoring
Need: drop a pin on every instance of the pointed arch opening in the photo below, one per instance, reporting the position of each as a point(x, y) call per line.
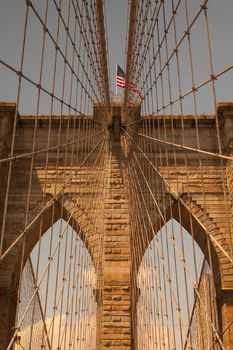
point(57, 308)
point(176, 306)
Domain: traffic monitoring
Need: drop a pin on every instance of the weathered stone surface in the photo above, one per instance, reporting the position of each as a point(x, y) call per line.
point(116, 323)
point(210, 212)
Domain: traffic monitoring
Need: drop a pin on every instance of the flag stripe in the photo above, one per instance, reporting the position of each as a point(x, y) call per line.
point(120, 81)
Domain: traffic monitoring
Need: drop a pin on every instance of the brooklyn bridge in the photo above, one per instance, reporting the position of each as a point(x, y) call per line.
point(116, 209)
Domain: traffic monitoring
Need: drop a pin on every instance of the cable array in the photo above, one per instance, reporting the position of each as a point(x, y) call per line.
point(178, 182)
point(60, 185)
point(52, 166)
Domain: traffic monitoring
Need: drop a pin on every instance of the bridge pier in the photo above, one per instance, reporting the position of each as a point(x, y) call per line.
point(116, 330)
point(225, 306)
point(225, 299)
point(8, 302)
point(8, 285)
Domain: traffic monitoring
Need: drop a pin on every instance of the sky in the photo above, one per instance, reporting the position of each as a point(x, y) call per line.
point(221, 31)
point(12, 14)
point(116, 17)
point(116, 25)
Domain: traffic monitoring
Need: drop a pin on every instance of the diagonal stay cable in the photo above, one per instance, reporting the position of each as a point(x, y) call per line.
point(195, 289)
point(44, 272)
point(175, 196)
point(51, 201)
point(187, 148)
point(43, 150)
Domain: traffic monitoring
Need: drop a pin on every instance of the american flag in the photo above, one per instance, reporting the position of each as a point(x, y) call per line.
point(133, 87)
point(120, 78)
point(120, 81)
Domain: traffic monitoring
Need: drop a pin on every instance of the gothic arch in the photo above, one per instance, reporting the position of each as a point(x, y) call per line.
point(195, 225)
point(43, 222)
point(166, 284)
point(71, 270)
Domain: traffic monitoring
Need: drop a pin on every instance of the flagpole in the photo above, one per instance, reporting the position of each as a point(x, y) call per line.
point(116, 80)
